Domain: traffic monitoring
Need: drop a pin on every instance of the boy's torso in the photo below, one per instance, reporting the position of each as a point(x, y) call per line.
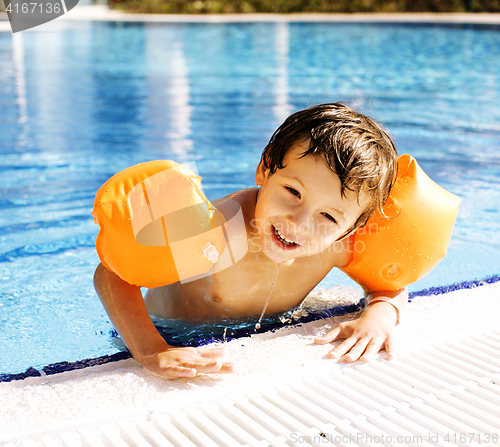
point(242, 289)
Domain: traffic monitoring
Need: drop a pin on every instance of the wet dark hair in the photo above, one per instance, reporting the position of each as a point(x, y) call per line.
point(354, 146)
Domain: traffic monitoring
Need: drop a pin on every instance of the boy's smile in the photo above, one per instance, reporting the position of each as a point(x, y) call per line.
point(299, 210)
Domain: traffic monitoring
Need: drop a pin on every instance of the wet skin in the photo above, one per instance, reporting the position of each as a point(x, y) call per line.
point(293, 219)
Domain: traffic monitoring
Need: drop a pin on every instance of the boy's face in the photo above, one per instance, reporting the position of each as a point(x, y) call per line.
point(299, 210)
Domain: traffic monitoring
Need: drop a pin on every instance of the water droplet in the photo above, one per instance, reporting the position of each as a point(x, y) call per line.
point(257, 325)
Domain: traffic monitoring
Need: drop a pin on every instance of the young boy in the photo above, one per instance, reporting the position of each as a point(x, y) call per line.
point(322, 175)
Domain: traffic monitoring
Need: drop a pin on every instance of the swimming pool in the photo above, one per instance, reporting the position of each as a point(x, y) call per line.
point(82, 103)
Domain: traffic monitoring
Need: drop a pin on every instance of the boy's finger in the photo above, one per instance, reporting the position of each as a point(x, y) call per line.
point(204, 366)
point(356, 351)
point(214, 367)
point(211, 353)
point(328, 337)
point(344, 347)
point(226, 368)
point(390, 348)
point(180, 371)
point(372, 349)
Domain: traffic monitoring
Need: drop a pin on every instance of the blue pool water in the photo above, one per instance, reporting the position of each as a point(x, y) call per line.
point(83, 102)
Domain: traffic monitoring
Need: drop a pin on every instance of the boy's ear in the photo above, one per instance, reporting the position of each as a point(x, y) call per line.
point(260, 174)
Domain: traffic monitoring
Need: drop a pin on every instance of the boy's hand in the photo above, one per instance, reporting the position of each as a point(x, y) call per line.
point(125, 306)
point(364, 337)
point(186, 362)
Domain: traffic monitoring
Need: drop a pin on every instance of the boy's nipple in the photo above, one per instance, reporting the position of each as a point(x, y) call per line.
point(216, 298)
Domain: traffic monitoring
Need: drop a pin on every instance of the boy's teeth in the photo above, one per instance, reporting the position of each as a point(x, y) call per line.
point(283, 239)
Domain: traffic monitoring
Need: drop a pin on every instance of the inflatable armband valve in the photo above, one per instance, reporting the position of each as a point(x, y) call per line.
point(156, 225)
point(211, 253)
point(390, 253)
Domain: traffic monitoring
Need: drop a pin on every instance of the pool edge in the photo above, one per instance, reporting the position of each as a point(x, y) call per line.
point(60, 367)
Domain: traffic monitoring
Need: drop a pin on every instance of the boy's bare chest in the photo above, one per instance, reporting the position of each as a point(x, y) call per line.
point(242, 289)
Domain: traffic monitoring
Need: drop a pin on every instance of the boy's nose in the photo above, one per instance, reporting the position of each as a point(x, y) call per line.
point(298, 221)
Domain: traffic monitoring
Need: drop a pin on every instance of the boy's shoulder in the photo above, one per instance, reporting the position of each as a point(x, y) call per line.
point(340, 252)
point(245, 198)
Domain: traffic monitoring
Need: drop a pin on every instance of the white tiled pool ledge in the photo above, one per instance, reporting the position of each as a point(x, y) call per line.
point(432, 396)
point(272, 359)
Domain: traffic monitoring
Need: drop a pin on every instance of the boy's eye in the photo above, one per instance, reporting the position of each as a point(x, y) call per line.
point(329, 217)
point(293, 191)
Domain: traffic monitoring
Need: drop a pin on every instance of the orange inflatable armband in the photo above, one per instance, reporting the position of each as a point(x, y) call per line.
point(392, 252)
point(156, 225)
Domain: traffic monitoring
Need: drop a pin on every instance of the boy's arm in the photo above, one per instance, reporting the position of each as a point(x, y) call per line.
point(126, 309)
point(365, 336)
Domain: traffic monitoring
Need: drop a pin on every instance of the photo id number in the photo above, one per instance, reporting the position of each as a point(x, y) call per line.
point(35, 8)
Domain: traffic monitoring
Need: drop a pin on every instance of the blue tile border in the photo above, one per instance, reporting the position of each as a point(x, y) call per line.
point(57, 368)
point(463, 285)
